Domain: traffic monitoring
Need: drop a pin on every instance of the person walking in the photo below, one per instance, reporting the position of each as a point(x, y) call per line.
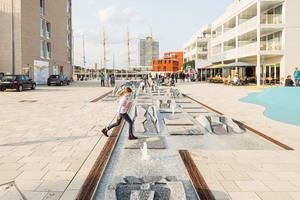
point(102, 80)
point(143, 83)
point(188, 77)
point(296, 77)
point(122, 114)
point(176, 77)
point(183, 77)
point(112, 80)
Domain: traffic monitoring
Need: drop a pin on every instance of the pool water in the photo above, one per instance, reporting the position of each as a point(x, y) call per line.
point(281, 103)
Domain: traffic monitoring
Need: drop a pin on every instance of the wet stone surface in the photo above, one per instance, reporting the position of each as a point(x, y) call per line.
point(152, 143)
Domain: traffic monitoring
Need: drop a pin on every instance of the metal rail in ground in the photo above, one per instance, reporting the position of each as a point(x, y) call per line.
point(101, 97)
point(272, 140)
point(91, 183)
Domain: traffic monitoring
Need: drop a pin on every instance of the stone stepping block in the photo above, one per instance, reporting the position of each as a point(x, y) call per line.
point(123, 192)
point(144, 97)
point(152, 143)
point(132, 180)
point(144, 104)
point(162, 192)
point(150, 127)
point(196, 110)
point(144, 101)
point(169, 110)
point(171, 178)
point(183, 101)
point(190, 106)
point(142, 195)
point(183, 130)
point(139, 126)
point(184, 121)
point(177, 191)
point(152, 179)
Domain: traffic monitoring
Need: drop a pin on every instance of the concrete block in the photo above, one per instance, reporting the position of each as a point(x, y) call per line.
point(184, 121)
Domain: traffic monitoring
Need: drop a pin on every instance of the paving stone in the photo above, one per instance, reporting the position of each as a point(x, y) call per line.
point(162, 181)
point(123, 192)
point(169, 110)
point(132, 180)
point(202, 110)
point(190, 106)
point(151, 179)
point(142, 195)
point(145, 186)
point(177, 191)
point(183, 101)
point(183, 130)
point(150, 127)
point(162, 192)
point(152, 143)
point(184, 121)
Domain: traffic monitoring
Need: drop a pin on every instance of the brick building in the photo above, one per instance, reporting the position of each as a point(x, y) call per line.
point(172, 62)
point(36, 38)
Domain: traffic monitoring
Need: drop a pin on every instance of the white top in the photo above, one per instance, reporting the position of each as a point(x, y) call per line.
point(235, 79)
point(142, 84)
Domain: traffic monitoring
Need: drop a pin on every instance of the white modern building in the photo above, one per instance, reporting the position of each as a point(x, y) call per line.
point(254, 31)
point(198, 48)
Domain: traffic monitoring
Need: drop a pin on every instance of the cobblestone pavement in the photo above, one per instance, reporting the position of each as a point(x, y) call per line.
point(243, 174)
point(50, 141)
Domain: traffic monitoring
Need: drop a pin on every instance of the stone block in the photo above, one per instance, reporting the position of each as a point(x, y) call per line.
point(178, 121)
point(145, 186)
point(184, 130)
point(132, 180)
point(169, 110)
point(152, 179)
point(182, 101)
point(171, 178)
point(123, 192)
point(142, 195)
point(202, 110)
point(152, 143)
point(203, 121)
point(190, 106)
point(162, 192)
point(177, 191)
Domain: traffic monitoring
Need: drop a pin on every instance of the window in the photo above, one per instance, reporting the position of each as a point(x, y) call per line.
point(154, 62)
point(69, 55)
point(165, 69)
point(68, 40)
point(165, 61)
point(42, 49)
point(48, 30)
point(68, 24)
point(42, 7)
point(169, 61)
point(42, 28)
point(48, 50)
point(159, 69)
point(68, 6)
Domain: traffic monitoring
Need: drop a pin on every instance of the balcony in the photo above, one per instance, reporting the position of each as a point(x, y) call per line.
point(271, 19)
point(202, 50)
point(246, 50)
point(229, 34)
point(247, 25)
point(271, 46)
point(229, 55)
point(217, 40)
point(217, 57)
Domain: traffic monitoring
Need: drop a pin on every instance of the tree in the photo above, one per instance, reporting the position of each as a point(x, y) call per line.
point(190, 63)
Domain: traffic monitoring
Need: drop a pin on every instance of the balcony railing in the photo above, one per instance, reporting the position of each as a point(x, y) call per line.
point(229, 34)
point(217, 40)
point(202, 49)
point(271, 46)
point(230, 54)
point(271, 19)
point(217, 57)
point(247, 24)
point(247, 49)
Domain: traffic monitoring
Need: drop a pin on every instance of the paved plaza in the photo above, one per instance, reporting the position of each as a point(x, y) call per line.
point(50, 140)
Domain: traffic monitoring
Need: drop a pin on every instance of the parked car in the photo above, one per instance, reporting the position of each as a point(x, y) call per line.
point(58, 80)
point(18, 82)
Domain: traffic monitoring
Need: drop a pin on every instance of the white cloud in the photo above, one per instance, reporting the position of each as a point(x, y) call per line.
point(112, 14)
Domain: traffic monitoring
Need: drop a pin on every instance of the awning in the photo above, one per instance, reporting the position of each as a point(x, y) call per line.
point(239, 64)
point(205, 67)
point(216, 66)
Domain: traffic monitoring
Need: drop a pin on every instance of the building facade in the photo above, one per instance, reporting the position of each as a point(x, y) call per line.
point(36, 38)
point(145, 51)
point(165, 65)
point(175, 56)
point(259, 32)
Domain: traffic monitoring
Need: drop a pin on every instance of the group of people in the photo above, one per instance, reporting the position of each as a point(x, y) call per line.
point(107, 80)
point(290, 83)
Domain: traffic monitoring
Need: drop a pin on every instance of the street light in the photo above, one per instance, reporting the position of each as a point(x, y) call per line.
point(13, 36)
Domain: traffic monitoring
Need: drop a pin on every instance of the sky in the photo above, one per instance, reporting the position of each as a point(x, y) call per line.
point(173, 22)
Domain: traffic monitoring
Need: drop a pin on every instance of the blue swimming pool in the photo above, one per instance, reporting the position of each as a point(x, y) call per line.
point(281, 103)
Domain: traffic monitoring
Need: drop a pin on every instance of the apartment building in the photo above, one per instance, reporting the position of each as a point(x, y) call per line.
point(145, 51)
point(36, 38)
point(198, 48)
point(175, 56)
point(259, 32)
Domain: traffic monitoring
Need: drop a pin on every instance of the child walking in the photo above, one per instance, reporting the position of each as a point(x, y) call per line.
point(122, 114)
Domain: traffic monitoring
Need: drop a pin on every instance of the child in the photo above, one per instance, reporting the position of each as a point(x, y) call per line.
point(122, 114)
point(143, 85)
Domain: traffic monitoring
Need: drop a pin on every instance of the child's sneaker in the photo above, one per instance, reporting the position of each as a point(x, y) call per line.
point(132, 137)
point(104, 131)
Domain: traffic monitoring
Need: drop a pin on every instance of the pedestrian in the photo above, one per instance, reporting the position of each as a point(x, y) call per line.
point(236, 80)
point(173, 76)
point(176, 77)
point(106, 80)
point(187, 77)
point(143, 84)
point(112, 80)
point(183, 77)
point(296, 77)
point(289, 82)
point(152, 84)
point(102, 80)
point(122, 114)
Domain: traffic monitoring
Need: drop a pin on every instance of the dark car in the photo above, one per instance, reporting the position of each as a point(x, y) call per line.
point(58, 80)
point(18, 82)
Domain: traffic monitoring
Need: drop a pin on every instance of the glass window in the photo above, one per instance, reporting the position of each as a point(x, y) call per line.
point(48, 50)
point(68, 40)
point(48, 29)
point(68, 6)
point(69, 55)
point(42, 7)
point(159, 69)
point(68, 24)
point(154, 62)
point(165, 69)
point(26, 78)
point(42, 49)
point(42, 28)
point(169, 61)
point(165, 61)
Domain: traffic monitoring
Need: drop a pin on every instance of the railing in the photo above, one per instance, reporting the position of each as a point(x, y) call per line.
point(217, 57)
point(271, 19)
point(217, 40)
point(230, 54)
point(271, 46)
point(229, 34)
point(202, 49)
point(247, 24)
point(247, 49)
